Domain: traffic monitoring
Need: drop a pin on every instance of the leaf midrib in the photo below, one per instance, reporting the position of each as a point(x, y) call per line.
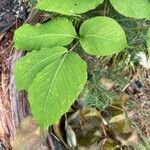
point(51, 85)
point(52, 34)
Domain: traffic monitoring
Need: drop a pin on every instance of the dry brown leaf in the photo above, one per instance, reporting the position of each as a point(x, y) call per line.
point(132, 140)
point(118, 118)
point(85, 123)
point(29, 136)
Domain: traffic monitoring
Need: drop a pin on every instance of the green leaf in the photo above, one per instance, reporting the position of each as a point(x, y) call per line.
point(102, 36)
point(57, 32)
point(28, 66)
point(68, 7)
point(148, 40)
point(132, 8)
point(56, 87)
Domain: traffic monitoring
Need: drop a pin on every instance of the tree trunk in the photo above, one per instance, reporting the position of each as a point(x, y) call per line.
point(13, 104)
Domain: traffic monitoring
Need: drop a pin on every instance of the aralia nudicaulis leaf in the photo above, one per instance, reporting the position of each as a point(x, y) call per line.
point(54, 78)
point(57, 32)
point(68, 7)
point(102, 36)
point(132, 8)
point(56, 87)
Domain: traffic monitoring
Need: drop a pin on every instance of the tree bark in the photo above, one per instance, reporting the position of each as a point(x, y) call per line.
point(13, 104)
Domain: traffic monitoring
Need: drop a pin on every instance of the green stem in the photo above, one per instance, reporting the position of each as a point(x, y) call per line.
point(74, 46)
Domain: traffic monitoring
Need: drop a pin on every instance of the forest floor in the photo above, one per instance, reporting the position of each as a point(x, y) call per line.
point(114, 108)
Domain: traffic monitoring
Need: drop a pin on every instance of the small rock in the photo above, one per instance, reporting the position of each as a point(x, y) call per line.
point(107, 83)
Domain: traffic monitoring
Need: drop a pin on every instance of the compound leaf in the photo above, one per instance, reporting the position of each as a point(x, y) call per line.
point(102, 36)
point(57, 32)
point(28, 66)
point(68, 7)
point(133, 8)
point(56, 87)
